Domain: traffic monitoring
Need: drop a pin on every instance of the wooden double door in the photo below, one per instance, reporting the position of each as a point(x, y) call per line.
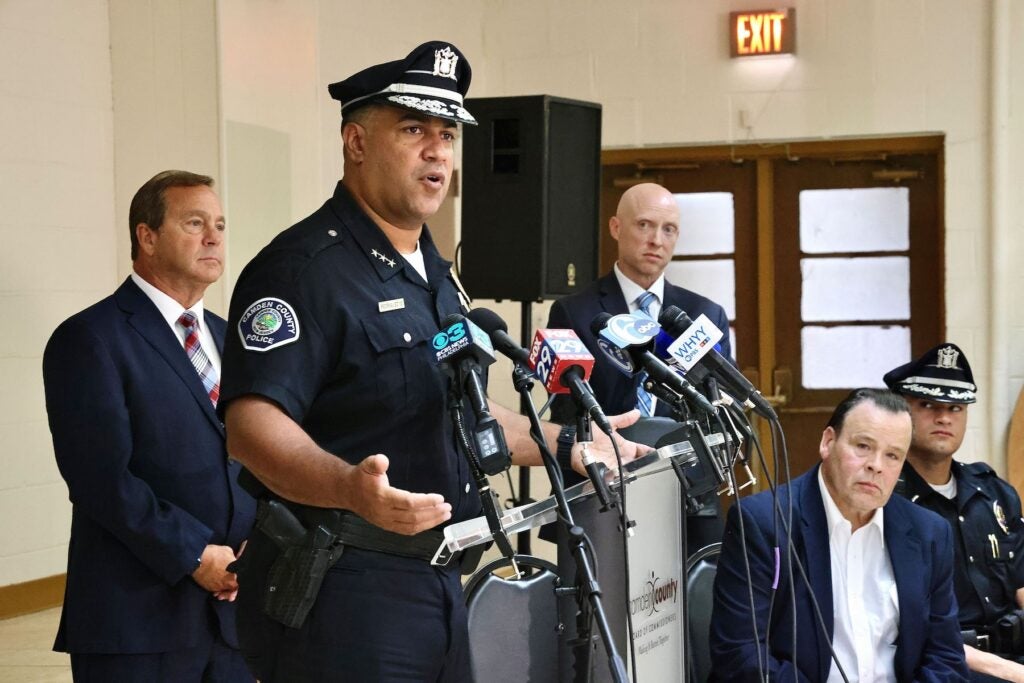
point(828, 257)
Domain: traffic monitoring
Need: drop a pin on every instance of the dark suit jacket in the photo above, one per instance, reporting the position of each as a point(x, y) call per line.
point(614, 390)
point(142, 451)
point(919, 542)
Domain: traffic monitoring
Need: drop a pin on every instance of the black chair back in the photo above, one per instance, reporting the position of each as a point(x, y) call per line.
point(513, 624)
point(700, 583)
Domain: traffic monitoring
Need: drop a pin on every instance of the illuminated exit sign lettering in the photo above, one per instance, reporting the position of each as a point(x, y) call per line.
point(762, 32)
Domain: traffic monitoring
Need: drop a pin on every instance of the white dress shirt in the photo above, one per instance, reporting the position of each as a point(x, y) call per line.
point(631, 291)
point(171, 310)
point(864, 598)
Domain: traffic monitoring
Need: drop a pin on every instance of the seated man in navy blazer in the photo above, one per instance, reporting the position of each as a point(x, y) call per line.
point(836, 571)
point(157, 515)
point(646, 228)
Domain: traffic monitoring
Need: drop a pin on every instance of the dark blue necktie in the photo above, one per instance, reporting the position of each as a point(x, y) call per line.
point(644, 401)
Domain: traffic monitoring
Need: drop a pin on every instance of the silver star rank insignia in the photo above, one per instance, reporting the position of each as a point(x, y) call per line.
point(383, 259)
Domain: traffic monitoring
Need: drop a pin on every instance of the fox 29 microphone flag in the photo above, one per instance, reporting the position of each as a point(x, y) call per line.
point(555, 351)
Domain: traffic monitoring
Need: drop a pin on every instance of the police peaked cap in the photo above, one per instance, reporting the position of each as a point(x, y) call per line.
point(432, 80)
point(942, 375)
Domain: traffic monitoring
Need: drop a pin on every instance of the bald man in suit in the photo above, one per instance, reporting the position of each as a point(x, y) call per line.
point(646, 228)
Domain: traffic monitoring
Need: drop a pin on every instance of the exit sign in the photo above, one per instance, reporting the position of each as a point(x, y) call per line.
point(762, 32)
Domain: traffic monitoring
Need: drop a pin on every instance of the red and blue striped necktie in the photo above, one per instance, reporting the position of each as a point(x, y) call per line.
point(200, 361)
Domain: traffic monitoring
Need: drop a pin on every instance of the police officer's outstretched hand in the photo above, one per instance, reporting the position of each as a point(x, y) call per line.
point(376, 501)
point(602, 445)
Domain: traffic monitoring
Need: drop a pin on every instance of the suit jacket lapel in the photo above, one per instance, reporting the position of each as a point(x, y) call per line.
point(613, 302)
point(904, 547)
point(144, 317)
point(818, 560)
point(612, 299)
point(217, 329)
point(673, 297)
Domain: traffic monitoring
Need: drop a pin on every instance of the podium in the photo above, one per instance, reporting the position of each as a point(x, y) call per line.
point(656, 591)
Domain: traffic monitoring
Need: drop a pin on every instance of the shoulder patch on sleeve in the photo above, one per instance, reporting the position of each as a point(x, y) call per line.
point(267, 324)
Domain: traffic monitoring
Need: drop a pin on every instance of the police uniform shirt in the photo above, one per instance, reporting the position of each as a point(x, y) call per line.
point(988, 538)
point(334, 326)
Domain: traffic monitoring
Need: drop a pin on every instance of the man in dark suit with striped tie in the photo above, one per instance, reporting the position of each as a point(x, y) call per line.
point(157, 515)
point(646, 228)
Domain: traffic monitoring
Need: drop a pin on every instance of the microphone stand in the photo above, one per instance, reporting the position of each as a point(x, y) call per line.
point(730, 432)
point(487, 496)
point(689, 429)
point(525, 325)
point(588, 589)
point(595, 470)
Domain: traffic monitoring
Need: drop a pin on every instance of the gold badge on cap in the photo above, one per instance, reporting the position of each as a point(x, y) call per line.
point(444, 63)
point(947, 357)
point(1000, 517)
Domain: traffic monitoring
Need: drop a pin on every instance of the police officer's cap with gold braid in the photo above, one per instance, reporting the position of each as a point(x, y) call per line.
point(942, 375)
point(433, 79)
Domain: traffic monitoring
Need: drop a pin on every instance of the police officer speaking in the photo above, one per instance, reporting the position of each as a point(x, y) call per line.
point(333, 399)
point(983, 510)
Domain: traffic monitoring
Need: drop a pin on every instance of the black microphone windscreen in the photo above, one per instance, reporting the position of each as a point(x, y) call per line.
point(674, 320)
point(599, 322)
point(487, 320)
point(450, 320)
point(670, 313)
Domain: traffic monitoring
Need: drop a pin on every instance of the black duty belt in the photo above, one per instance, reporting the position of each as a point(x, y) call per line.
point(347, 527)
point(310, 541)
point(1005, 636)
point(355, 531)
point(352, 530)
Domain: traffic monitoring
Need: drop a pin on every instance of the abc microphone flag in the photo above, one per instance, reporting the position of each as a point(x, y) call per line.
point(555, 351)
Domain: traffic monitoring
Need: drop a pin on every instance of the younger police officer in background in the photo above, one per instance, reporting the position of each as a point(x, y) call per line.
point(983, 510)
point(335, 402)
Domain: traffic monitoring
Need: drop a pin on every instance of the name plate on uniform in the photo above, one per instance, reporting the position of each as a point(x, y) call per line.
point(391, 305)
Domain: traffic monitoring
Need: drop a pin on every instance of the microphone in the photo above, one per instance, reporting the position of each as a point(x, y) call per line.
point(694, 350)
point(460, 340)
point(628, 340)
point(562, 364)
point(492, 324)
point(462, 349)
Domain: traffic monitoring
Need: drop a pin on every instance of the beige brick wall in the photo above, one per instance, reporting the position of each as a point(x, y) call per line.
point(96, 95)
point(57, 250)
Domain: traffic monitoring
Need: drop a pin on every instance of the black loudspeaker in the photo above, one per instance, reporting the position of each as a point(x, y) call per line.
point(530, 197)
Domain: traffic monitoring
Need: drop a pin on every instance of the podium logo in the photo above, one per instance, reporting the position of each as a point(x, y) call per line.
point(656, 592)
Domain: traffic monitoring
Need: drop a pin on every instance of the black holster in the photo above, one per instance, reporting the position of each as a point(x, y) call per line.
point(1009, 630)
point(305, 556)
point(1004, 637)
point(310, 540)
